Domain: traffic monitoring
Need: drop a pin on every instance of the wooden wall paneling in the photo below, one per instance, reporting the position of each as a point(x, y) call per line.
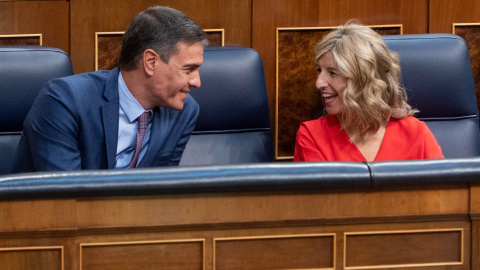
point(268, 15)
point(461, 17)
point(50, 19)
point(91, 16)
point(443, 13)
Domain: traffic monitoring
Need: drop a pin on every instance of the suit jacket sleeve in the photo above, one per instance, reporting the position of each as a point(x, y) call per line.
point(190, 122)
point(170, 133)
point(51, 129)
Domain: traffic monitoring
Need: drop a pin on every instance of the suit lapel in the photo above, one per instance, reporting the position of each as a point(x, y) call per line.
point(110, 117)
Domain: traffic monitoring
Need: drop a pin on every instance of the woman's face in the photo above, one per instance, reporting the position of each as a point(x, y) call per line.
point(330, 83)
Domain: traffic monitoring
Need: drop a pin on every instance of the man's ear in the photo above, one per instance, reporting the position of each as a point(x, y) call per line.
point(149, 61)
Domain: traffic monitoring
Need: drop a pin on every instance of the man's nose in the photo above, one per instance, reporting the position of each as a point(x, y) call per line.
point(195, 79)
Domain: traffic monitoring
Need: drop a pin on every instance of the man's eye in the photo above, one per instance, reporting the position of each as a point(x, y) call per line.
point(189, 70)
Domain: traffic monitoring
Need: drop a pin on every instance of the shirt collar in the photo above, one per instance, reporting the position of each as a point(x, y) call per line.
point(129, 104)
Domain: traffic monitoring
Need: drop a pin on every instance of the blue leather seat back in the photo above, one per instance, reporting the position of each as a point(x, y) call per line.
point(437, 74)
point(23, 72)
point(234, 121)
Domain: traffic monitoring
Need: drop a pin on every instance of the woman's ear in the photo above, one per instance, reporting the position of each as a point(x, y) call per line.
point(149, 61)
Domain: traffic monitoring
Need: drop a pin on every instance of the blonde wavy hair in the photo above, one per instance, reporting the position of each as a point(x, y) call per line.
point(373, 93)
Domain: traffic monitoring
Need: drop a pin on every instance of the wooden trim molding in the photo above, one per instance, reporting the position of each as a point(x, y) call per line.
point(379, 234)
point(133, 243)
point(38, 248)
point(21, 39)
point(218, 240)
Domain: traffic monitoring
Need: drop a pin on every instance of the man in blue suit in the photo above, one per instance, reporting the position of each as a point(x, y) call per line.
point(89, 121)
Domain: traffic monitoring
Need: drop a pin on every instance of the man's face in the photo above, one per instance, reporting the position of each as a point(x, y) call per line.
point(172, 81)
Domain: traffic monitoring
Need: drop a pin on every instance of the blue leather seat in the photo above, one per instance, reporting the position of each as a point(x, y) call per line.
point(23, 72)
point(234, 122)
point(437, 74)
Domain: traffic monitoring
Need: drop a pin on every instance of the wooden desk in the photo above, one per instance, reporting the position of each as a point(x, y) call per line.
point(414, 227)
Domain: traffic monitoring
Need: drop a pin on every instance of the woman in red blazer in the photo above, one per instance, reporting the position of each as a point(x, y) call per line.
point(368, 117)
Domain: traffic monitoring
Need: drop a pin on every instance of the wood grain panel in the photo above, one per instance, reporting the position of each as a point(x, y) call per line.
point(37, 215)
point(198, 209)
point(276, 252)
point(90, 16)
point(444, 13)
point(32, 258)
point(143, 255)
point(268, 15)
point(443, 16)
point(404, 249)
point(49, 18)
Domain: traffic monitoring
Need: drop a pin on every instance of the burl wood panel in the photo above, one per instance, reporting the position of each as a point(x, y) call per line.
point(428, 248)
point(471, 35)
point(313, 252)
point(108, 50)
point(297, 98)
point(215, 38)
point(145, 256)
point(20, 40)
point(109, 46)
point(31, 259)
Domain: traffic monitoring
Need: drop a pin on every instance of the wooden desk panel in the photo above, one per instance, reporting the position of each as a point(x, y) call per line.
point(213, 231)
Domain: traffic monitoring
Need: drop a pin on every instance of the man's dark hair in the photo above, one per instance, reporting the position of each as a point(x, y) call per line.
point(160, 29)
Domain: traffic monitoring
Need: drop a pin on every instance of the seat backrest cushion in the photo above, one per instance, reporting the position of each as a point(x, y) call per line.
point(23, 72)
point(437, 75)
point(234, 122)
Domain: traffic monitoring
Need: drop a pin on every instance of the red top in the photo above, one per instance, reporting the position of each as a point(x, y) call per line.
point(324, 139)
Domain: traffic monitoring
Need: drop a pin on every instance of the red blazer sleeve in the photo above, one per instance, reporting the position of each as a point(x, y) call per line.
point(305, 146)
